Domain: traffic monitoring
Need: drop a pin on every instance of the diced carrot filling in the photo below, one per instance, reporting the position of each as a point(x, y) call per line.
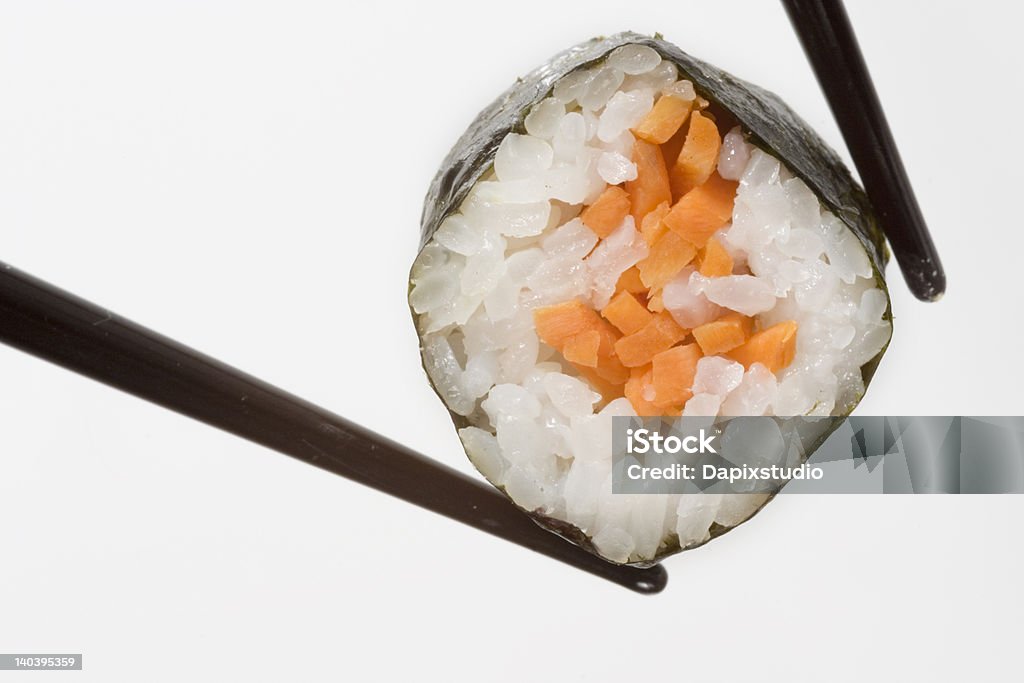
point(715, 261)
point(662, 122)
point(658, 335)
point(702, 210)
point(651, 185)
point(724, 334)
point(634, 348)
point(557, 324)
point(626, 313)
point(630, 282)
point(609, 391)
point(610, 369)
point(671, 148)
point(773, 347)
point(582, 348)
point(651, 228)
point(670, 254)
point(607, 212)
point(639, 384)
point(572, 328)
point(698, 157)
point(673, 373)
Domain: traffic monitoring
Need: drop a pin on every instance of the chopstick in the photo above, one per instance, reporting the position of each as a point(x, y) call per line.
point(824, 30)
point(59, 327)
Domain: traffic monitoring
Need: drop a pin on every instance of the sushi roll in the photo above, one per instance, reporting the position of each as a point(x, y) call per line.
point(628, 231)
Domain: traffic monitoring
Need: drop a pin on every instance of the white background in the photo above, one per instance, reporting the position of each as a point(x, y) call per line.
point(247, 178)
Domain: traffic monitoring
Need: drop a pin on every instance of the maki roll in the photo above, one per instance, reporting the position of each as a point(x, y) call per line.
point(628, 231)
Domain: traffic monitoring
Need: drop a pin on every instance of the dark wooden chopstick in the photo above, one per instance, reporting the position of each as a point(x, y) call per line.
point(828, 39)
point(54, 325)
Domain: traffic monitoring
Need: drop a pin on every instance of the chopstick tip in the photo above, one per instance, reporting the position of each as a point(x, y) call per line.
point(649, 581)
point(925, 279)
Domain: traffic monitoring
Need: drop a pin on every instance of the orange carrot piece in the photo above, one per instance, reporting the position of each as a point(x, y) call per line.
point(669, 327)
point(673, 373)
point(615, 376)
point(658, 335)
point(639, 380)
point(667, 257)
point(630, 282)
point(655, 303)
point(651, 185)
point(651, 227)
point(582, 348)
point(608, 391)
point(703, 210)
point(607, 212)
point(626, 313)
point(715, 261)
point(773, 347)
point(671, 148)
point(611, 370)
point(568, 326)
point(662, 122)
point(609, 367)
point(558, 323)
point(724, 334)
point(698, 157)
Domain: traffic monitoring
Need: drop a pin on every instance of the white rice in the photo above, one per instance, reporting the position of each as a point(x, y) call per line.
point(517, 244)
